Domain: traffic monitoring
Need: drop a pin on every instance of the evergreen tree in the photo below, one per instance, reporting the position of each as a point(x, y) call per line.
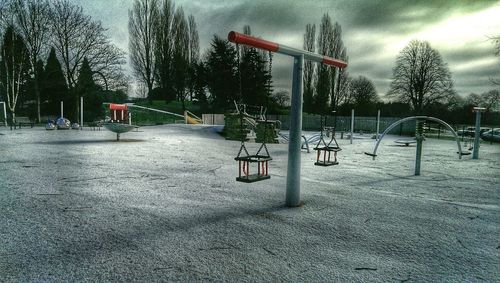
point(255, 77)
point(87, 88)
point(200, 83)
point(222, 74)
point(54, 87)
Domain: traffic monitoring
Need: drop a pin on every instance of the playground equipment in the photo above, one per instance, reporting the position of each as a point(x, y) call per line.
point(326, 149)
point(477, 134)
point(261, 159)
point(292, 197)
point(406, 142)
point(419, 137)
point(191, 118)
point(119, 122)
point(306, 141)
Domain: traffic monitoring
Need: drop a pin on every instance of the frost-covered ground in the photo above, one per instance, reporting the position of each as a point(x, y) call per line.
point(163, 205)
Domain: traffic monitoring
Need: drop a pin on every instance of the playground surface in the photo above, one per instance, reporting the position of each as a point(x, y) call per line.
point(163, 205)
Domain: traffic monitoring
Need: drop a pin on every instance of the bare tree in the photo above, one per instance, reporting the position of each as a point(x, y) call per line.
point(420, 77)
point(489, 100)
point(180, 55)
point(323, 81)
point(338, 77)
point(363, 92)
point(14, 69)
point(143, 20)
point(496, 42)
point(309, 68)
point(194, 41)
point(32, 21)
point(163, 47)
point(194, 53)
point(281, 97)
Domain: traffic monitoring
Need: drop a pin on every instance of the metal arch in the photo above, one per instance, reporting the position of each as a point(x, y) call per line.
point(374, 154)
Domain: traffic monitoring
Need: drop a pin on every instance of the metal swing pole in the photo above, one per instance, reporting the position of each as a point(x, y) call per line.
point(293, 170)
point(294, 145)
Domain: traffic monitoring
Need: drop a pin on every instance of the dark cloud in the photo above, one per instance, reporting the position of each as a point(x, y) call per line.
point(374, 31)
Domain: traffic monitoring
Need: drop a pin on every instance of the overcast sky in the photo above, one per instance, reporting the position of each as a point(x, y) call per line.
point(374, 31)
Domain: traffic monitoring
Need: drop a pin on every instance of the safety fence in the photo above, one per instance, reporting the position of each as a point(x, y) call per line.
point(340, 123)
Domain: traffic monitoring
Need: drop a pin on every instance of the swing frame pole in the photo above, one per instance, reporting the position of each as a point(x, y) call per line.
point(294, 145)
point(292, 198)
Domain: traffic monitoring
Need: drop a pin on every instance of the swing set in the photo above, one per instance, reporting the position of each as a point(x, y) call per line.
point(294, 146)
point(326, 149)
point(262, 157)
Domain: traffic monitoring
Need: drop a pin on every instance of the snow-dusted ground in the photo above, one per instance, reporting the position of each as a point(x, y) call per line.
point(163, 205)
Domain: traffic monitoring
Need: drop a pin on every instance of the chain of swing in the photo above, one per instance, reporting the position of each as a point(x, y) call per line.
point(262, 157)
point(324, 150)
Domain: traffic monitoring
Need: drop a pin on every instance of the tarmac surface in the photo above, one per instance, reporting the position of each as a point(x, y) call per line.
point(163, 205)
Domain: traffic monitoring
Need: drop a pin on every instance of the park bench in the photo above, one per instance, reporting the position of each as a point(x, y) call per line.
point(20, 121)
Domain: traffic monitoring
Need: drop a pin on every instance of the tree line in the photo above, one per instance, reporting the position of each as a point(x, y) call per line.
point(52, 51)
point(45, 44)
point(165, 56)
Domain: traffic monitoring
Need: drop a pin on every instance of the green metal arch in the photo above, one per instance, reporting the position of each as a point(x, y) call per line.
point(374, 154)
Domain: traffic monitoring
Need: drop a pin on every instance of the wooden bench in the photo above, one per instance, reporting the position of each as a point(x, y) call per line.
point(20, 121)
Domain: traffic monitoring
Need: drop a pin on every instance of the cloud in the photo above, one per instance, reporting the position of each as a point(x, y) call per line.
point(374, 31)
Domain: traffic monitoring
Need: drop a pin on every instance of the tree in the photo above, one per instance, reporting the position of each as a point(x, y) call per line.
point(54, 87)
point(363, 95)
point(488, 100)
point(32, 20)
point(309, 68)
point(87, 88)
point(323, 81)
point(180, 60)
point(255, 76)
point(76, 36)
point(14, 68)
point(163, 50)
point(222, 74)
point(496, 42)
point(420, 77)
point(143, 18)
point(338, 76)
point(282, 98)
point(194, 54)
point(200, 83)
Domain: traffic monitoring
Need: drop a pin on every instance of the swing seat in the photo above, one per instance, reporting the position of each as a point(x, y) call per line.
point(252, 178)
point(254, 158)
point(326, 161)
point(328, 148)
point(244, 168)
